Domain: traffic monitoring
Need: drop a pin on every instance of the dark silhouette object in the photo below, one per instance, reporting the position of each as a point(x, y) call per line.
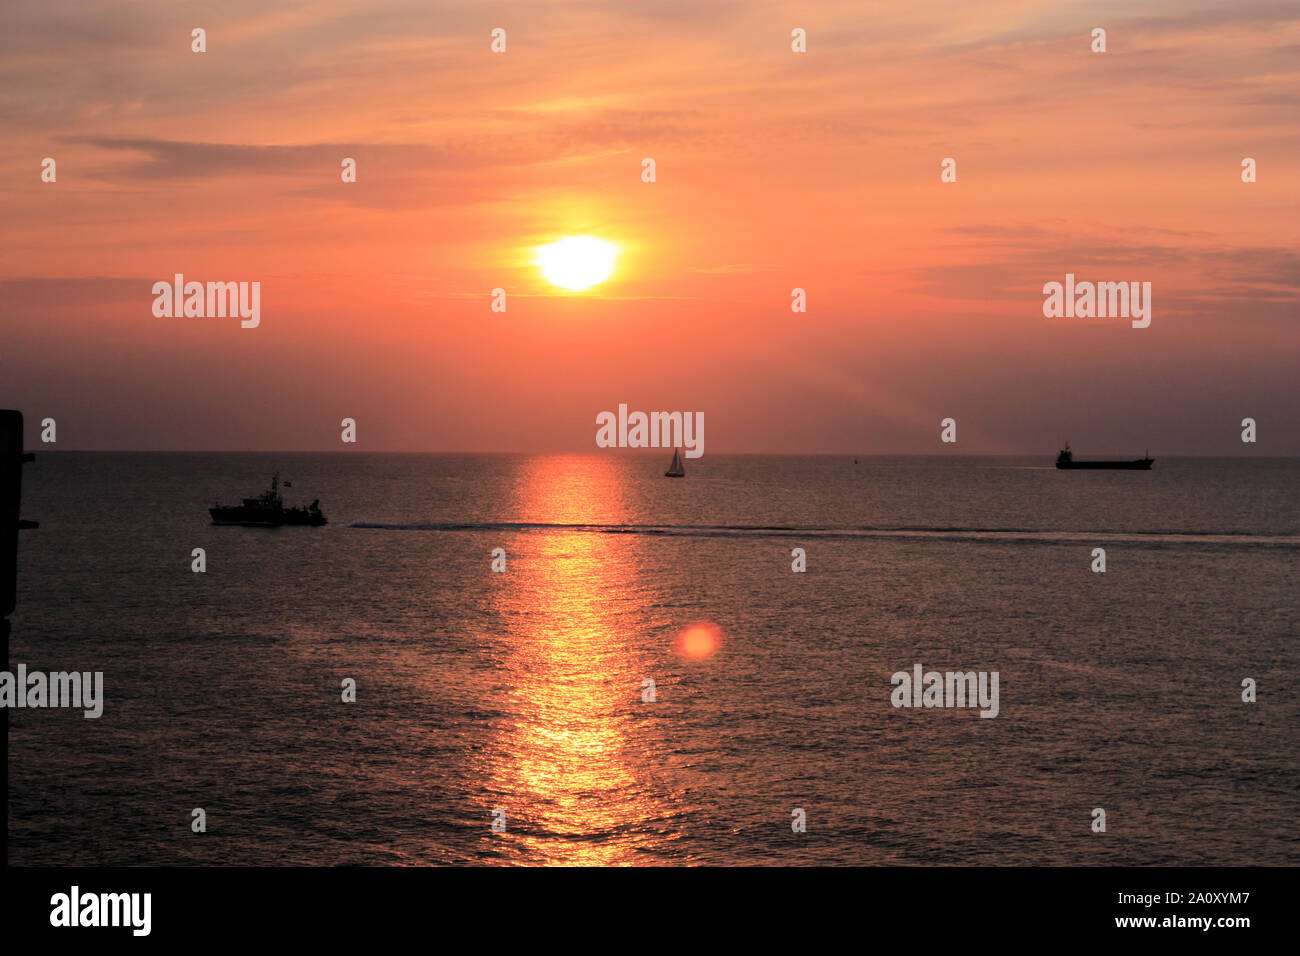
point(267, 510)
point(677, 469)
point(11, 493)
point(1066, 460)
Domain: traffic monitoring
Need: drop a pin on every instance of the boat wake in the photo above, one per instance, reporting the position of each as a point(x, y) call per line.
point(785, 531)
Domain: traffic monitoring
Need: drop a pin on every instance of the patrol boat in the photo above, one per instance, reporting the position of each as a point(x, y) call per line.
point(267, 511)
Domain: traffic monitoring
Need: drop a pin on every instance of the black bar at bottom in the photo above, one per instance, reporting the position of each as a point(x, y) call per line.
point(638, 908)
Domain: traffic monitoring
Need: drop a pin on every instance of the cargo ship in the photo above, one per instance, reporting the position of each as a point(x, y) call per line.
point(1067, 460)
point(267, 511)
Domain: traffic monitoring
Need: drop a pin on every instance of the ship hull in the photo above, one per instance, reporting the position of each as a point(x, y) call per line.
point(1140, 464)
point(248, 518)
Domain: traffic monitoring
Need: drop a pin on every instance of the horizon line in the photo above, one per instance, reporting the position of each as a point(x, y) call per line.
point(608, 452)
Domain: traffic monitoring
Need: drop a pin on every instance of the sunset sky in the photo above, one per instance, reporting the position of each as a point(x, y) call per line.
point(775, 170)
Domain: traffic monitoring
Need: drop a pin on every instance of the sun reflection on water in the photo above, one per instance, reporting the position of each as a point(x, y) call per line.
point(570, 768)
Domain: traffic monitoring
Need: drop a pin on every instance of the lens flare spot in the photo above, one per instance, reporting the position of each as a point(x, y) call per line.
point(699, 641)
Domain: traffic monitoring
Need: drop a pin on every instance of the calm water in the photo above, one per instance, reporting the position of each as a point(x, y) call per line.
point(522, 690)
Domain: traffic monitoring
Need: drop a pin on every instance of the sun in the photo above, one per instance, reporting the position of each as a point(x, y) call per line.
point(578, 262)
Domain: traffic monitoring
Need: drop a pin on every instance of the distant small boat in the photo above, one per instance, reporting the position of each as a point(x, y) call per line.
point(676, 469)
point(267, 511)
point(1066, 461)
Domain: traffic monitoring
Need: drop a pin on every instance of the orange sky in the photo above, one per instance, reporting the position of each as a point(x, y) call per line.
point(775, 170)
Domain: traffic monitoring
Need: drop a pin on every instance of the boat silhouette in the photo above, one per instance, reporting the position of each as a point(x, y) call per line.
point(676, 469)
point(267, 510)
point(1066, 461)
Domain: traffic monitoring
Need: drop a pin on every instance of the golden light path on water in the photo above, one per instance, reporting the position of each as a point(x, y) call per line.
point(572, 764)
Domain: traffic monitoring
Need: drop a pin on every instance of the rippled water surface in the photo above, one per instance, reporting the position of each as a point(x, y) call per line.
point(523, 690)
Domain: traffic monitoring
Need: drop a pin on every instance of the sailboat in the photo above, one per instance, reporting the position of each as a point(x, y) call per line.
point(676, 469)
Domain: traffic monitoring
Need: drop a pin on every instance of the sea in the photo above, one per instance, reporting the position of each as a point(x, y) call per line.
point(372, 692)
